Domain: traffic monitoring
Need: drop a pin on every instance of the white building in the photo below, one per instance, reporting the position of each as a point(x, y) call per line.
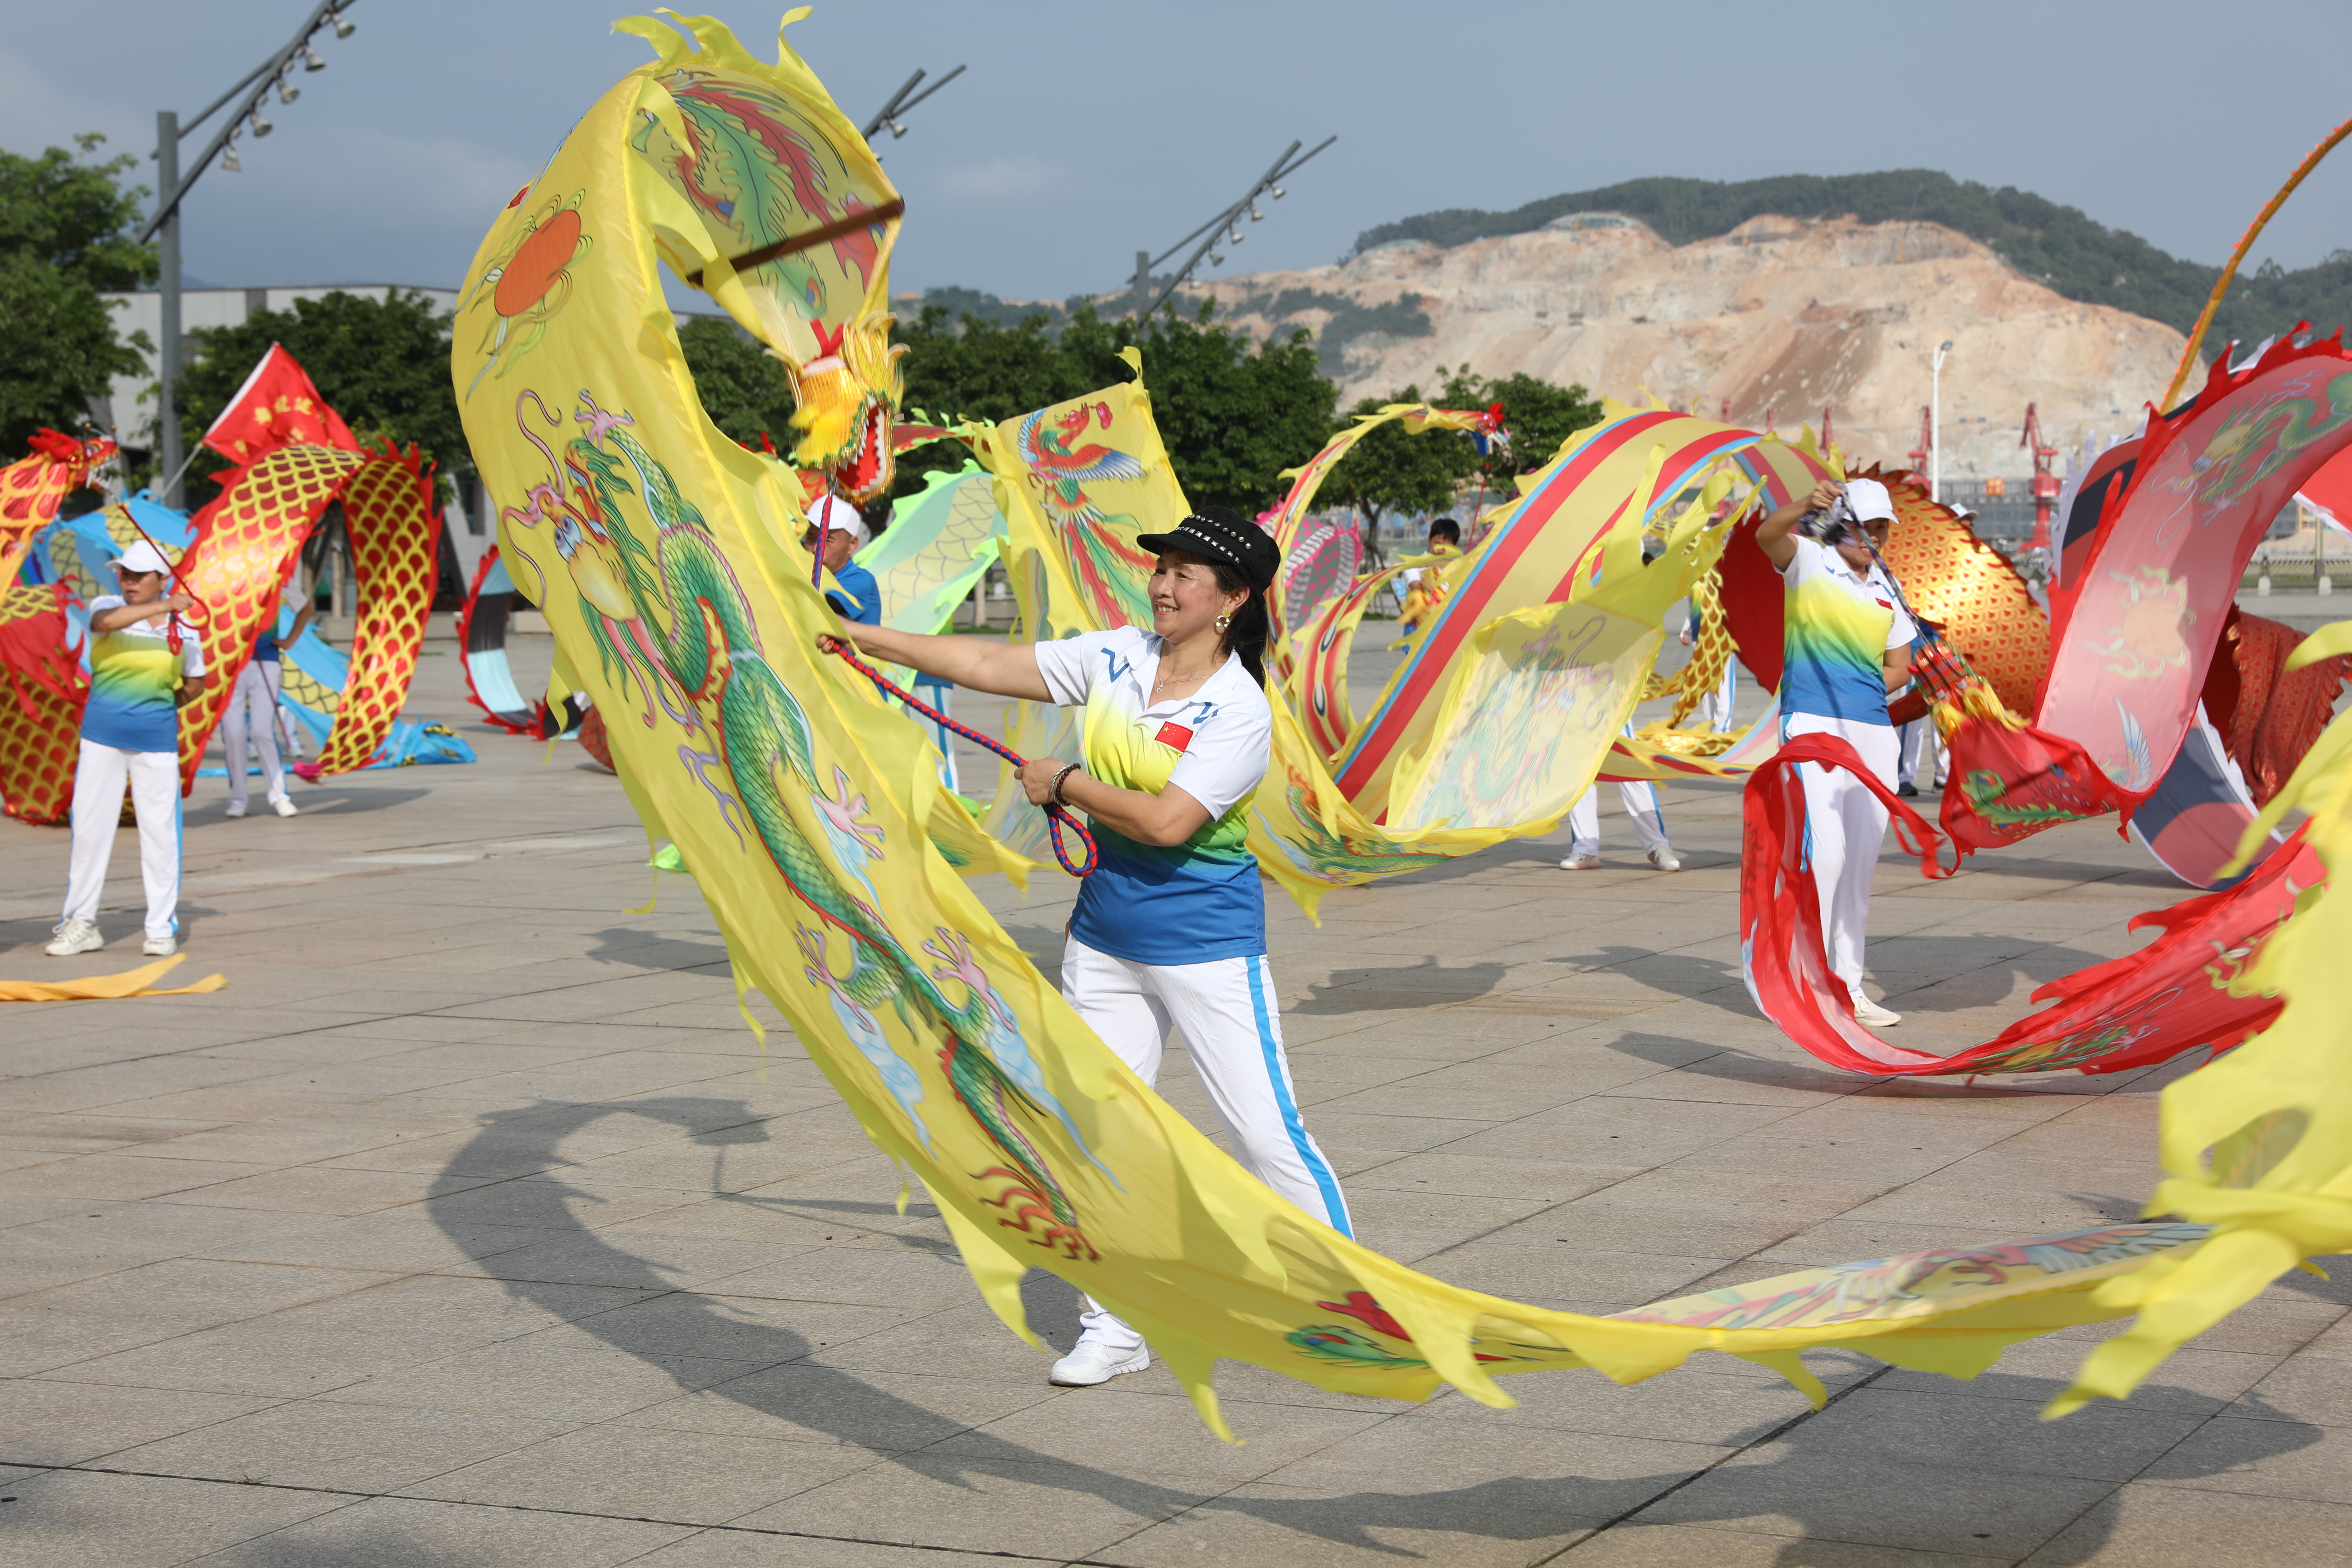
point(130, 411)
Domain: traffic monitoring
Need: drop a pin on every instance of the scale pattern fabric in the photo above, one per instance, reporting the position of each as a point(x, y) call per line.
point(1968, 589)
point(248, 542)
point(2279, 712)
point(801, 805)
point(34, 486)
point(41, 692)
point(941, 542)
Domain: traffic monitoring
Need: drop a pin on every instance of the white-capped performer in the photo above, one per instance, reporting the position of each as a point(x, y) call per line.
point(1169, 929)
point(1846, 644)
point(130, 734)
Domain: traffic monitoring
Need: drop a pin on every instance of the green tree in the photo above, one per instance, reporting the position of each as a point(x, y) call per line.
point(1231, 419)
point(383, 365)
point(65, 234)
point(1538, 415)
point(744, 388)
point(1232, 416)
point(1392, 469)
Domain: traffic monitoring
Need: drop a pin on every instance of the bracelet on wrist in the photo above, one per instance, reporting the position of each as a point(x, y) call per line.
point(1055, 792)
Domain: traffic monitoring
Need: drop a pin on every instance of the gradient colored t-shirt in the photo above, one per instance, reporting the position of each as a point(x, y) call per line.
point(132, 676)
point(1187, 903)
point(1839, 630)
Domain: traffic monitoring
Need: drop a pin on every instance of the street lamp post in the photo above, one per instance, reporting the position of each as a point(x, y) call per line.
point(1936, 424)
point(1222, 228)
point(252, 88)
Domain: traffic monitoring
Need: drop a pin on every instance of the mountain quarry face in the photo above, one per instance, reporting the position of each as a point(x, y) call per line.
point(1780, 315)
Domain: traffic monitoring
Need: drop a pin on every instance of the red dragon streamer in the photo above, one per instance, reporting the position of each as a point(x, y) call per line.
point(246, 545)
point(2171, 996)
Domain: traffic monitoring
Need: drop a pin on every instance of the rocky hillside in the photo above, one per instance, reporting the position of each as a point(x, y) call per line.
point(1778, 315)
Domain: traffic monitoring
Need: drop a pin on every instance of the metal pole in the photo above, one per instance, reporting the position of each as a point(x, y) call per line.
point(1935, 425)
point(167, 406)
point(1143, 283)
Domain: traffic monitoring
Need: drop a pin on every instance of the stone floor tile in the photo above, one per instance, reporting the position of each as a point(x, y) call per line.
point(880, 1412)
point(2104, 1441)
point(119, 1176)
point(738, 1548)
point(1637, 1545)
point(1788, 1488)
point(1159, 1435)
point(647, 1472)
point(753, 1328)
point(2193, 1383)
point(1052, 1510)
point(400, 1532)
point(2163, 1527)
point(2261, 1458)
point(337, 1446)
point(57, 1422)
point(544, 1382)
point(1502, 1524)
point(63, 1517)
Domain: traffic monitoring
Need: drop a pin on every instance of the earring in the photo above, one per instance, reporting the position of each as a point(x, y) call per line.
point(1223, 622)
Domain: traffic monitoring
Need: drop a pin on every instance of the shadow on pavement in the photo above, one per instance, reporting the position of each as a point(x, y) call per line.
point(1810, 1481)
point(1406, 987)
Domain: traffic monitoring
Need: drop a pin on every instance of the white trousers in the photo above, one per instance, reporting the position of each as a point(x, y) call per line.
point(252, 711)
point(1845, 826)
point(1717, 705)
point(1641, 801)
point(154, 780)
point(1231, 1025)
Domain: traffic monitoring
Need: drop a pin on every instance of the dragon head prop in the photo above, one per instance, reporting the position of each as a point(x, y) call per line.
point(778, 210)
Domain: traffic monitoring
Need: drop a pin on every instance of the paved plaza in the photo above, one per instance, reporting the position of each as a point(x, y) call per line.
point(470, 1226)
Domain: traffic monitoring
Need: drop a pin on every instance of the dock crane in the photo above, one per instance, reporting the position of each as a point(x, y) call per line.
point(2046, 483)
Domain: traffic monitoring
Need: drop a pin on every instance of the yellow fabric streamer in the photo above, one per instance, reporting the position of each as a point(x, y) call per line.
point(140, 981)
point(2259, 1144)
point(811, 813)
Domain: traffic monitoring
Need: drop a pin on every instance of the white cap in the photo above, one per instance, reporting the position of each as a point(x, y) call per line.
point(141, 557)
point(832, 512)
point(1868, 500)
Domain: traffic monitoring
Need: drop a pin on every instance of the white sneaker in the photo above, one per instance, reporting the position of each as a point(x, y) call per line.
point(1581, 863)
point(282, 807)
point(1870, 1015)
point(160, 946)
point(74, 936)
point(1665, 858)
point(1091, 1362)
point(236, 809)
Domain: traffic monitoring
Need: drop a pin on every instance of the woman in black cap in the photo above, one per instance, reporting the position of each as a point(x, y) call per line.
point(1169, 931)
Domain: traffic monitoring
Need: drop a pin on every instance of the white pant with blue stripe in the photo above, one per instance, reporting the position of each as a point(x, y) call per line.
point(1231, 1025)
point(100, 774)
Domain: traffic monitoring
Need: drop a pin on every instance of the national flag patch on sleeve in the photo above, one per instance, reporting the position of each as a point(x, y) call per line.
point(1174, 734)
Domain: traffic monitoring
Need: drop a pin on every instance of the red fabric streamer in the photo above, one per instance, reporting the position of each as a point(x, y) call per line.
point(2145, 1007)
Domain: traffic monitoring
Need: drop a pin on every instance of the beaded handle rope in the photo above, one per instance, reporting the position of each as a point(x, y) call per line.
point(171, 638)
point(1056, 818)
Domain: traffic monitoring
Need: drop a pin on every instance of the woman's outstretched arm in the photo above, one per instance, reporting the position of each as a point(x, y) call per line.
point(982, 664)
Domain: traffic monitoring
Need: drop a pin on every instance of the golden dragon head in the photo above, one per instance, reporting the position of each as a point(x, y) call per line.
point(769, 200)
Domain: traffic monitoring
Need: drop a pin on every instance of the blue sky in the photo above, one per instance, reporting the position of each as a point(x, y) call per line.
point(1081, 133)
